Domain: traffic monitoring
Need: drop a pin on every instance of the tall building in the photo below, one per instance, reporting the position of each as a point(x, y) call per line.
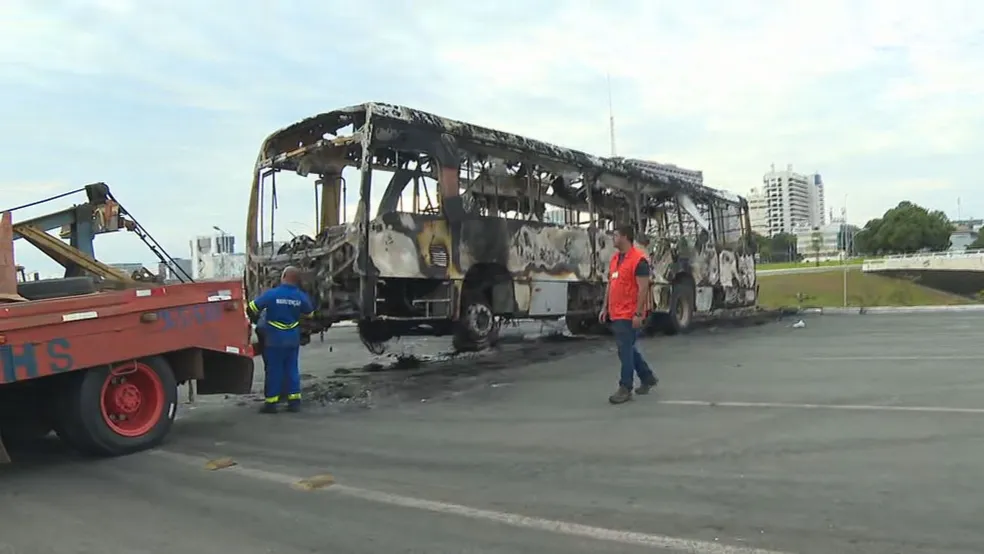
point(787, 201)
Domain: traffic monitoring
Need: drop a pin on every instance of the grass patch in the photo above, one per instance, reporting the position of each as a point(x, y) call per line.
point(791, 265)
point(827, 289)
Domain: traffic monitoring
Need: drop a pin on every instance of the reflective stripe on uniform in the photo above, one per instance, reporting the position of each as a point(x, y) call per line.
point(272, 399)
point(252, 306)
point(294, 396)
point(282, 326)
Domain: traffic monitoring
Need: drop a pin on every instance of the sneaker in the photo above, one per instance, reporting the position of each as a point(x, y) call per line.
point(622, 395)
point(647, 385)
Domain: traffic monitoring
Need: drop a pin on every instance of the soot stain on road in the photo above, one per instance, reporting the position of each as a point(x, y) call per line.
point(420, 378)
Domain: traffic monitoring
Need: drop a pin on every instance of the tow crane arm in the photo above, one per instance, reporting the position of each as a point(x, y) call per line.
point(80, 224)
point(69, 258)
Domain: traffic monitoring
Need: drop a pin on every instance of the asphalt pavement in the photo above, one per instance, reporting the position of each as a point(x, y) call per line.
point(853, 434)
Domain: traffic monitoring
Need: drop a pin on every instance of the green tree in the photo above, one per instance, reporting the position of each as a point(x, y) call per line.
point(783, 247)
point(816, 245)
point(978, 242)
point(904, 229)
point(763, 247)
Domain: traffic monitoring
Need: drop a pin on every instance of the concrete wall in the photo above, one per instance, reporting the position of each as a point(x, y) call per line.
point(957, 272)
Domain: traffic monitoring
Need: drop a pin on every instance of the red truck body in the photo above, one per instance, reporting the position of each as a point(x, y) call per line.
point(48, 348)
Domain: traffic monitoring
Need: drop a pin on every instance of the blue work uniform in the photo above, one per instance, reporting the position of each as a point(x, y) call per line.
point(281, 309)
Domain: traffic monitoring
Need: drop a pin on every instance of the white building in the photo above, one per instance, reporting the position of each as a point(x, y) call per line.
point(128, 267)
point(170, 274)
point(692, 176)
point(965, 233)
point(787, 201)
point(827, 236)
point(758, 211)
point(214, 257)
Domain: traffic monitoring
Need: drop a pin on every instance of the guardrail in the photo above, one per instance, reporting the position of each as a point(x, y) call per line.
point(944, 254)
point(966, 260)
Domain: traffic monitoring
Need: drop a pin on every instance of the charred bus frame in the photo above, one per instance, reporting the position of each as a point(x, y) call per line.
point(483, 251)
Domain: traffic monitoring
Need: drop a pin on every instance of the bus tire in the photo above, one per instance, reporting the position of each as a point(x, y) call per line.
point(681, 308)
point(119, 409)
point(476, 328)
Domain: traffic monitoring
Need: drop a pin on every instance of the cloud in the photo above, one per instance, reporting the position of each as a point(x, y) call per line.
point(168, 101)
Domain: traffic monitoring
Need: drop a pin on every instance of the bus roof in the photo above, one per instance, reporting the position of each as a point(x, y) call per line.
point(616, 173)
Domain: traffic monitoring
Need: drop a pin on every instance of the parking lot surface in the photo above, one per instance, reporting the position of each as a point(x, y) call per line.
point(853, 434)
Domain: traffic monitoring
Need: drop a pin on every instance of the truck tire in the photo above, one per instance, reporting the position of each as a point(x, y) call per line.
point(681, 309)
point(56, 288)
point(118, 410)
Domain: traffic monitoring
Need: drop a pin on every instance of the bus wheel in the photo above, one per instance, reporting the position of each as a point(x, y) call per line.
point(681, 308)
point(578, 325)
point(117, 410)
point(477, 328)
point(581, 325)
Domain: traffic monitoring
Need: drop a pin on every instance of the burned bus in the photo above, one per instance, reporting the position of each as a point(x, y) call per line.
point(476, 226)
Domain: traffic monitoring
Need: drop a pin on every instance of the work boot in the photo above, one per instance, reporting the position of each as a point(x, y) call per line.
point(294, 406)
point(622, 395)
point(647, 385)
point(268, 408)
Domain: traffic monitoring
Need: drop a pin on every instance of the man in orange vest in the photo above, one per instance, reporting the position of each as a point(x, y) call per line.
point(627, 308)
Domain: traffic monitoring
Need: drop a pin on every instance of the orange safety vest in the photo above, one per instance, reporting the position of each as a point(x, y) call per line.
point(623, 289)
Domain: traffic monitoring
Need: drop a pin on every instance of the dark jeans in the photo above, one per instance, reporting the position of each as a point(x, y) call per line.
point(628, 354)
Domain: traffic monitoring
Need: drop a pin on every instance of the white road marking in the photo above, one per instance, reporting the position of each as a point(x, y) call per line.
point(845, 407)
point(886, 358)
point(661, 542)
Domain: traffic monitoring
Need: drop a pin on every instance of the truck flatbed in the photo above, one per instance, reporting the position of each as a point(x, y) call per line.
point(102, 369)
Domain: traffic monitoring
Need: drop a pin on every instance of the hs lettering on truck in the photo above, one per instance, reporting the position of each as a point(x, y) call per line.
point(189, 316)
point(26, 361)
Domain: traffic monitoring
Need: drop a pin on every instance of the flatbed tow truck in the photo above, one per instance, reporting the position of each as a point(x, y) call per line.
point(97, 356)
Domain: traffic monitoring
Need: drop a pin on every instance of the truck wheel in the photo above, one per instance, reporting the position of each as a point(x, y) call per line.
point(681, 309)
point(477, 328)
point(112, 411)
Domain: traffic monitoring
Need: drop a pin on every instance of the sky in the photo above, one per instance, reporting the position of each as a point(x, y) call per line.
point(169, 101)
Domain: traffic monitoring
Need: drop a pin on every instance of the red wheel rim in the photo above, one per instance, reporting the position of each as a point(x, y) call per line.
point(131, 399)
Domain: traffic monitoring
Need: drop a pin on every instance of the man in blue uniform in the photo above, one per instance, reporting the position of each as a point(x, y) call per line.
point(282, 308)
